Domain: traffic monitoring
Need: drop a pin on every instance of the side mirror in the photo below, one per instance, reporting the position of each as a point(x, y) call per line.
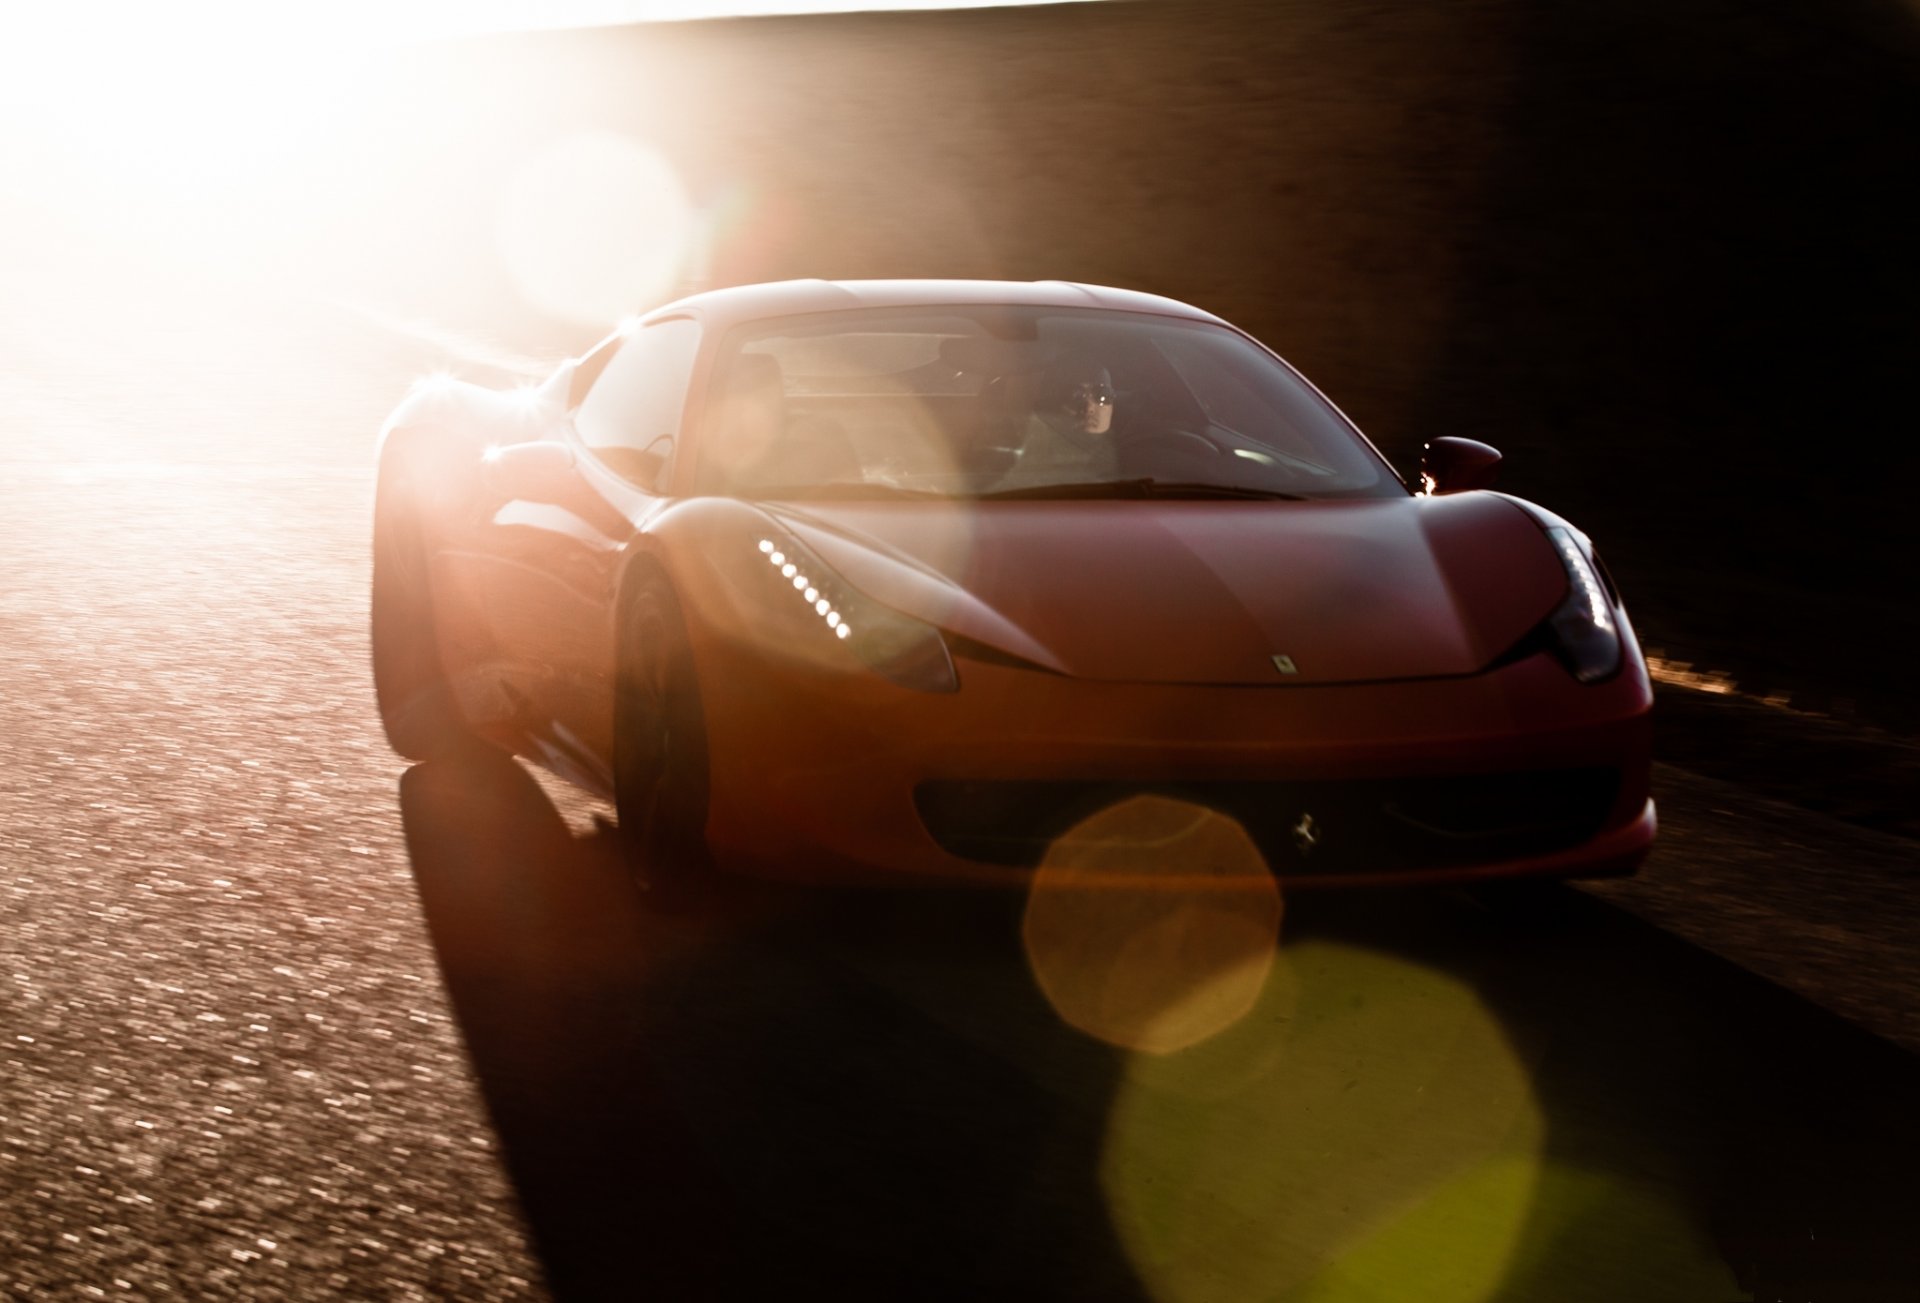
point(541, 470)
point(1451, 465)
point(645, 467)
point(651, 463)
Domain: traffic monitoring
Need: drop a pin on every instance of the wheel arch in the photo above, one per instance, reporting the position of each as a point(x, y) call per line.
point(703, 548)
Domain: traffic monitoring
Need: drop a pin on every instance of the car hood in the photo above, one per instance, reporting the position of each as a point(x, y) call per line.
point(1205, 592)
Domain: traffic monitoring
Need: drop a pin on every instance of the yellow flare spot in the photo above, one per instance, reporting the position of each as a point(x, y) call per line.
point(1152, 924)
point(1370, 1125)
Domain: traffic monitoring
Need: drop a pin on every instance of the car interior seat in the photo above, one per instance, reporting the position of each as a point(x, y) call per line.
point(745, 425)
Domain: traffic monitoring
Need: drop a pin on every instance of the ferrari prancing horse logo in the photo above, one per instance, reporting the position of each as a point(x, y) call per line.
point(1284, 664)
point(1306, 834)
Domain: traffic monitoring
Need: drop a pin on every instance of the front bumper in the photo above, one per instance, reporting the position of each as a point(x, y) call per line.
point(1516, 772)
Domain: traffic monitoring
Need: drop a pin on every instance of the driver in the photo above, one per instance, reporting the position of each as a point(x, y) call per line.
point(1069, 431)
point(1076, 402)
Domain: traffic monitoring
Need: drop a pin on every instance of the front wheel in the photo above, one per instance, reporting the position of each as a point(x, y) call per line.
point(660, 742)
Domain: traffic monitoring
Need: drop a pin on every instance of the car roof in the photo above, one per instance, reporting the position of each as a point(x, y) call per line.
point(726, 307)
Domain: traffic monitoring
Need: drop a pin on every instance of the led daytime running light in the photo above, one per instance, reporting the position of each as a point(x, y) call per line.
point(822, 605)
point(904, 650)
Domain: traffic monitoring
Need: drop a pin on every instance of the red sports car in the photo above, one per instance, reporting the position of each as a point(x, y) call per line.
point(906, 578)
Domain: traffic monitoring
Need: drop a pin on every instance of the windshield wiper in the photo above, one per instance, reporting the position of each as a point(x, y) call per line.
point(1142, 488)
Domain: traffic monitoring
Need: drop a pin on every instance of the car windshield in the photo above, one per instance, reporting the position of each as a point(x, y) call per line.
point(1006, 402)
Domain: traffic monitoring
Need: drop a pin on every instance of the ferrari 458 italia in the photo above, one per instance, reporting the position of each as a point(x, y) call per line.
point(908, 578)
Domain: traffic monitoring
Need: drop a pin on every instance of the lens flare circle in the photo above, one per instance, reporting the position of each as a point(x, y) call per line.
point(1153, 924)
point(594, 226)
point(1370, 1124)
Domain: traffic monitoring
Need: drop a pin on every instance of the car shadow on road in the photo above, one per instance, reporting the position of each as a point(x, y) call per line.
point(702, 1104)
point(793, 1091)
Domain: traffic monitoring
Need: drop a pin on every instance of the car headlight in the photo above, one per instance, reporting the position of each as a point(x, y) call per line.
point(898, 647)
point(1585, 634)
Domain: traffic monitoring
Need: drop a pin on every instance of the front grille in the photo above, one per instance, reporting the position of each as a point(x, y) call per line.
point(1358, 827)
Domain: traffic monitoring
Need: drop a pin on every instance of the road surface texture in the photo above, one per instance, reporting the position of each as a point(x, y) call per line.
point(285, 1018)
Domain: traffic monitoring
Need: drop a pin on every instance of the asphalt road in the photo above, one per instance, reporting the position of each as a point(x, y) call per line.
point(283, 1018)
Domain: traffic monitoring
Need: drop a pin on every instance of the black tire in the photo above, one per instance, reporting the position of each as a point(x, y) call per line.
point(417, 706)
point(660, 764)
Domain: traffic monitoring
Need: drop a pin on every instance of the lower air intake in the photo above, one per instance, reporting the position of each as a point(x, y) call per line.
point(1380, 826)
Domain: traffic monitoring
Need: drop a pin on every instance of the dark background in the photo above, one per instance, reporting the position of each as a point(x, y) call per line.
point(1661, 254)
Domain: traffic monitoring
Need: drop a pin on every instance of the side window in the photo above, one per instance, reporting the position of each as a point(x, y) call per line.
point(631, 415)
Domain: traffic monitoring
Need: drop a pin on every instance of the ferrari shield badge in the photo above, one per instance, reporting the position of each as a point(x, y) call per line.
point(1284, 664)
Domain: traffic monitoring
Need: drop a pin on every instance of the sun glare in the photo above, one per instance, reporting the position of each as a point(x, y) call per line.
point(176, 129)
point(315, 143)
point(189, 95)
point(167, 97)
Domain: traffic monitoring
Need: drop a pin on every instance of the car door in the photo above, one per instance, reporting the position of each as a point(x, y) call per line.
point(628, 430)
point(562, 530)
